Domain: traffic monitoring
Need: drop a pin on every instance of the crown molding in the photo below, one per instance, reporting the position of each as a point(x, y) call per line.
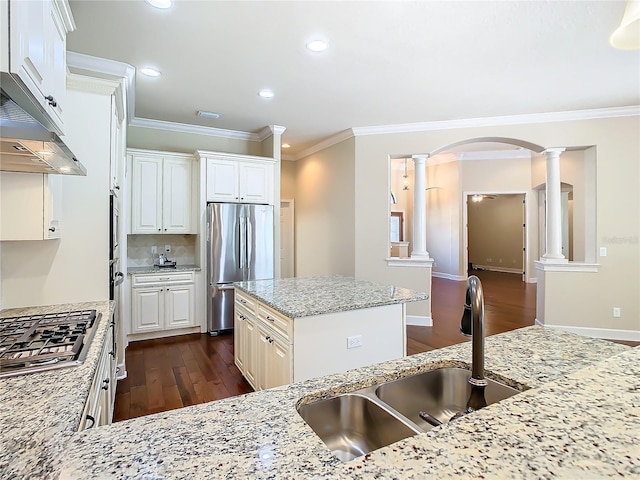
point(89, 84)
point(196, 129)
point(630, 111)
point(326, 143)
point(269, 131)
point(289, 158)
point(109, 69)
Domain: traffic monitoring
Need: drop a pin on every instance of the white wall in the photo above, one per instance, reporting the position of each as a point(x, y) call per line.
point(76, 267)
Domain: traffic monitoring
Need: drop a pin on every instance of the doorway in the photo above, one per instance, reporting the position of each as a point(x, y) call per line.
point(496, 232)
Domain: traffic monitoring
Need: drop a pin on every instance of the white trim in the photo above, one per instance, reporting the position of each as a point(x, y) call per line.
point(605, 333)
point(111, 68)
point(142, 151)
point(409, 262)
point(196, 129)
point(326, 143)
point(449, 276)
point(492, 268)
point(419, 320)
point(233, 156)
point(567, 267)
point(494, 155)
point(527, 118)
point(83, 83)
point(289, 158)
point(269, 131)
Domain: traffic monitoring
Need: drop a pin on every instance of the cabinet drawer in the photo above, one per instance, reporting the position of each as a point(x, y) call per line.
point(242, 311)
point(174, 278)
point(280, 324)
point(244, 300)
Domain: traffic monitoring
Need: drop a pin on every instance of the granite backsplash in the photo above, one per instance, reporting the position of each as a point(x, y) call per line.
point(183, 249)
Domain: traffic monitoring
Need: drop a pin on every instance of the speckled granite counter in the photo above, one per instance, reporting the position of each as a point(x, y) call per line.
point(581, 419)
point(39, 412)
point(154, 269)
point(303, 297)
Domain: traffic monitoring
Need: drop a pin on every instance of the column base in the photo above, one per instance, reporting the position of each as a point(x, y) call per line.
point(561, 259)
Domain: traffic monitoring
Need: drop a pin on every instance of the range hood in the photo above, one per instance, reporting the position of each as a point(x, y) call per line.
point(26, 146)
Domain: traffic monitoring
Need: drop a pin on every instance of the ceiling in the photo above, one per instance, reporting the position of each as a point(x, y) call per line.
point(388, 62)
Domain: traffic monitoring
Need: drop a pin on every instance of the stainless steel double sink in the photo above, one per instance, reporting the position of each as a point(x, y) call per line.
point(355, 423)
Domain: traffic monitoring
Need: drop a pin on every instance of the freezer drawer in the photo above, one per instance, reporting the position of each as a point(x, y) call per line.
point(220, 311)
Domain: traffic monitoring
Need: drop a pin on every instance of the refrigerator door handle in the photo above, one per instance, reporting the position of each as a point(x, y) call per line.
point(243, 243)
point(248, 243)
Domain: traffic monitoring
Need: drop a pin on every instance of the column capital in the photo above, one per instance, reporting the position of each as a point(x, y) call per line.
point(420, 157)
point(554, 151)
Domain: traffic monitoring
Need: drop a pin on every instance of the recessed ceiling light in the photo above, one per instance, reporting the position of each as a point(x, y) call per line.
point(150, 72)
point(164, 4)
point(205, 114)
point(286, 145)
point(266, 93)
point(317, 45)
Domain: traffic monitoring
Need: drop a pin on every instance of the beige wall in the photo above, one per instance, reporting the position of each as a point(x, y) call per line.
point(495, 232)
point(74, 268)
point(324, 212)
point(617, 218)
point(288, 179)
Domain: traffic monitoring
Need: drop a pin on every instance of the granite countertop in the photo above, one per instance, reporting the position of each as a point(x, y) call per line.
point(39, 412)
point(154, 269)
point(303, 297)
point(580, 419)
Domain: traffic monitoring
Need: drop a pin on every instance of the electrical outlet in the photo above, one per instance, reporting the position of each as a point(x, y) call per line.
point(354, 341)
point(154, 250)
point(616, 312)
point(167, 248)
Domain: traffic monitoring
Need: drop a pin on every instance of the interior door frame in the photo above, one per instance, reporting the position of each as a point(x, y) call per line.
point(526, 277)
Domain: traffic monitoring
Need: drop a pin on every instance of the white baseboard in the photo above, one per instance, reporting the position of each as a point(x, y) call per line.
point(419, 321)
point(493, 268)
point(449, 276)
point(605, 333)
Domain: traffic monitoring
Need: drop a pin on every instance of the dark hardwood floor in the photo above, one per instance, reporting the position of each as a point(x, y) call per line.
point(175, 372)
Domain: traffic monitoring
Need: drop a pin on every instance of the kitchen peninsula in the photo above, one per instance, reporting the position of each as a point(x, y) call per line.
point(293, 329)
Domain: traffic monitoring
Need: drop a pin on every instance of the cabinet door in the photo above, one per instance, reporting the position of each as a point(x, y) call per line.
point(278, 363)
point(147, 309)
point(52, 206)
point(55, 56)
point(179, 306)
point(222, 180)
point(115, 150)
point(27, 29)
point(22, 206)
point(176, 203)
point(251, 355)
point(263, 348)
point(256, 182)
point(146, 194)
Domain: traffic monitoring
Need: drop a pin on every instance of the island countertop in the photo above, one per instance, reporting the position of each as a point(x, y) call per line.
point(307, 296)
point(579, 419)
point(39, 412)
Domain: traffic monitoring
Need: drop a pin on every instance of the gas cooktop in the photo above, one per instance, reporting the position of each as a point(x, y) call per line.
point(34, 343)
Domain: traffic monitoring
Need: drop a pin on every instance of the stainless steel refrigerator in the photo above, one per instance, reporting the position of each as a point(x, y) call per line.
point(239, 247)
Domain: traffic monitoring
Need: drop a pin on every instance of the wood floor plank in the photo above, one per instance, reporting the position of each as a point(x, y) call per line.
point(121, 408)
point(155, 397)
point(185, 387)
point(138, 402)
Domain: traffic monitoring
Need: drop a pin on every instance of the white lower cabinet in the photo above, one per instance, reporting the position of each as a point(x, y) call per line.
point(98, 409)
point(262, 352)
point(162, 302)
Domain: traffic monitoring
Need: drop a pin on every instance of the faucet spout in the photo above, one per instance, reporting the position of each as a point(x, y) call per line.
point(472, 324)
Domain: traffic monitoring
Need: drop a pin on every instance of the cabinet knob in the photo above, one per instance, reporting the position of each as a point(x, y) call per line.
point(112, 353)
point(52, 229)
point(105, 385)
point(159, 230)
point(51, 100)
point(271, 319)
point(165, 229)
point(117, 187)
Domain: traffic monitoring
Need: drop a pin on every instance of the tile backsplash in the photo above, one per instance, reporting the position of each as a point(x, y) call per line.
point(183, 249)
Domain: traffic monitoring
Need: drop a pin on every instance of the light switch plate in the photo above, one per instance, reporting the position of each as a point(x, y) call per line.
point(603, 251)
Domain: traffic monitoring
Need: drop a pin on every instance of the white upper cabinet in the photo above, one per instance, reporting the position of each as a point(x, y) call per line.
point(162, 193)
point(238, 178)
point(36, 36)
point(30, 206)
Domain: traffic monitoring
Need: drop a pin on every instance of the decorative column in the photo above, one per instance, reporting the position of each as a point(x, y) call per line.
point(419, 245)
point(553, 209)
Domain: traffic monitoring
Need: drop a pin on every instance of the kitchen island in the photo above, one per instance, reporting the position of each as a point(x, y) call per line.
point(293, 329)
point(578, 418)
